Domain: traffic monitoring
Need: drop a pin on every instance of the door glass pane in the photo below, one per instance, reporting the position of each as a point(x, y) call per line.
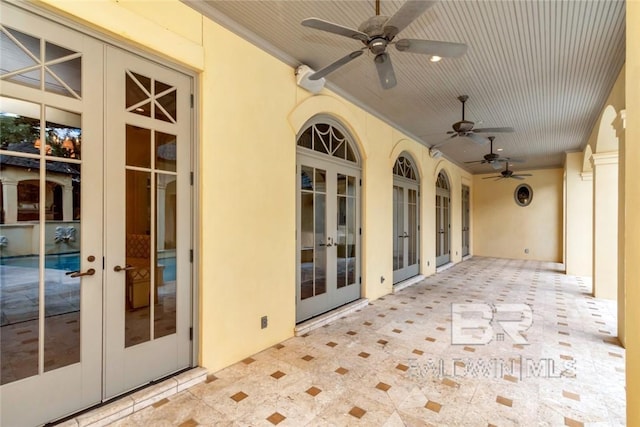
point(70, 74)
point(20, 130)
point(412, 226)
point(438, 226)
point(346, 233)
point(307, 240)
point(138, 255)
point(351, 240)
point(165, 151)
point(321, 181)
point(138, 146)
point(321, 251)
point(138, 94)
point(445, 225)
point(306, 178)
point(62, 249)
point(19, 51)
point(166, 106)
point(341, 237)
point(63, 134)
point(398, 227)
point(165, 270)
point(19, 269)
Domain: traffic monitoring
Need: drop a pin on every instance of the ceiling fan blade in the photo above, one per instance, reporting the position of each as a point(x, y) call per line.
point(478, 139)
point(432, 47)
point(385, 70)
point(476, 161)
point(517, 177)
point(407, 13)
point(330, 27)
point(439, 144)
point(495, 176)
point(496, 130)
point(523, 174)
point(335, 65)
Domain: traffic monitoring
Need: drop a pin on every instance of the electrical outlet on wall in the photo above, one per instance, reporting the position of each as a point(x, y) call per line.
point(264, 322)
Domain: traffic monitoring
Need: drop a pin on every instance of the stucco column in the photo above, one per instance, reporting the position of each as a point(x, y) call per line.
point(619, 125)
point(579, 217)
point(10, 201)
point(605, 225)
point(67, 203)
point(632, 207)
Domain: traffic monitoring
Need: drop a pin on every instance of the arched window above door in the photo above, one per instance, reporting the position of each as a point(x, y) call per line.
point(404, 168)
point(442, 181)
point(328, 139)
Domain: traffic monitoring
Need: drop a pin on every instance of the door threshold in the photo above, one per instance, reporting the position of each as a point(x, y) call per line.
point(122, 406)
point(328, 317)
point(444, 267)
point(408, 282)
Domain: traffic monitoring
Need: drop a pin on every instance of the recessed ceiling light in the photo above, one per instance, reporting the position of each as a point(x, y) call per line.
point(499, 149)
point(435, 58)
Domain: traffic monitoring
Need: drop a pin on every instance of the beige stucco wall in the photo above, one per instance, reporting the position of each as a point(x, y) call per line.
point(504, 229)
point(249, 112)
point(632, 219)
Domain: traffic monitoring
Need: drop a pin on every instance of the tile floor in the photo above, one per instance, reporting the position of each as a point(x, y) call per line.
point(393, 363)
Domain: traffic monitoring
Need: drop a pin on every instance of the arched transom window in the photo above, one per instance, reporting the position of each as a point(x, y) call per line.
point(404, 168)
point(327, 139)
point(442, 181)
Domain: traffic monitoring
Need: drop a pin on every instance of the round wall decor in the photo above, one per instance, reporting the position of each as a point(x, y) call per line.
point(523, 195)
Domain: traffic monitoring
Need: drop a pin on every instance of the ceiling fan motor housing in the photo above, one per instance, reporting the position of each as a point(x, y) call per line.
point(374, 26)
point(463, 126)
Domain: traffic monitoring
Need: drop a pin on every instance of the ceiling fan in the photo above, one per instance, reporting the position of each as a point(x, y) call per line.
point(494, 159)
point(377, 32)
point(508, 173)
point(465, 127)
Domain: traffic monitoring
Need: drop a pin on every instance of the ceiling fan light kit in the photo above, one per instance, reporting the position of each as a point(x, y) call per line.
point(378, 32)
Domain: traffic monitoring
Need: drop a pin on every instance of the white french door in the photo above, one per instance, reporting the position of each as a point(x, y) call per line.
point(328, 236)
point(147, 221)
point(95, 173)
point(51, 223)
point(405, 230)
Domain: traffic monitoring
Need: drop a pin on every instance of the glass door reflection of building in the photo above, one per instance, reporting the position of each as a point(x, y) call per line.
point(328, 222)
point(406, 228)
point(34, 199)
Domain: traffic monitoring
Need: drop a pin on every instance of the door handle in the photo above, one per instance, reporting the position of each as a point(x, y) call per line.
point(127, 267)
point(74, 274)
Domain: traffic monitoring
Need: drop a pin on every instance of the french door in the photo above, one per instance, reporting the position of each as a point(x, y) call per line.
point(405, 230)
point(466, 220)
point(95, 164)
point(147, 221)
point(443, 220)
point(328, 235)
